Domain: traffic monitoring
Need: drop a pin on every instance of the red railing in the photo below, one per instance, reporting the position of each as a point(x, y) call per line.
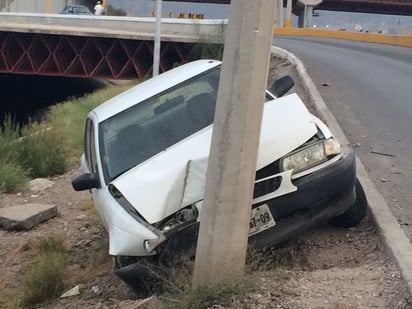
point(76, 56)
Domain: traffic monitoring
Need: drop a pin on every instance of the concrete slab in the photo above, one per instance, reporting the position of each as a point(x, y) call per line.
point(24, 217)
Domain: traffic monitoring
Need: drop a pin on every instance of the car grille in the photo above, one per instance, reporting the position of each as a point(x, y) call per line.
point(266, 186)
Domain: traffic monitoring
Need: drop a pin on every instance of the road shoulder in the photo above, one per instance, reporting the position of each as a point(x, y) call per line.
point(398, 245)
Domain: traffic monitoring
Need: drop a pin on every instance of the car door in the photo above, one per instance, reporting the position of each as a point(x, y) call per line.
point(100, 195)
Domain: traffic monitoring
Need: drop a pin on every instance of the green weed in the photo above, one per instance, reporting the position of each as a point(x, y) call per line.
point(42, 153)
point(9, 140)
point(45, 279)
point(13, 178)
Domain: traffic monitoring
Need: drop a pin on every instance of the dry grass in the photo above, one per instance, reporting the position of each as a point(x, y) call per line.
point(45, 277)
point(261, 267)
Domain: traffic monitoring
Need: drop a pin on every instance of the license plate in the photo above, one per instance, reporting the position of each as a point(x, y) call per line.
point(260, 219)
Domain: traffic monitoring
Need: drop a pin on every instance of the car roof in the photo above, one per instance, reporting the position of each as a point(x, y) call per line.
point(75, 6)
point(152, 87)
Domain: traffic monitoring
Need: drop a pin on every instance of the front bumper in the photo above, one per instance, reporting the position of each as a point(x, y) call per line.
point(320, 196)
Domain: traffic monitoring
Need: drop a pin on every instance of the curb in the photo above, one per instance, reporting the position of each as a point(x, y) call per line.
point(397, 244)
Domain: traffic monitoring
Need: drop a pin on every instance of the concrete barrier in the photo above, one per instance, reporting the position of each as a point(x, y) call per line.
point(172, 29)
point(142, 28)
point(398, 40)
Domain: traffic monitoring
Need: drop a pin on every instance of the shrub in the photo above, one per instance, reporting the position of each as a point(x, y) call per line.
point(42, 152)
point(13, 178)
point(45, 278)
point(176, 290)
point(178, 293)
point(51, 243)
point(9, 137)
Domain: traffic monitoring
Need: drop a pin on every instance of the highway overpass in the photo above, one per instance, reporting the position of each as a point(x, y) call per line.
point(119, 47)
point(106, 47)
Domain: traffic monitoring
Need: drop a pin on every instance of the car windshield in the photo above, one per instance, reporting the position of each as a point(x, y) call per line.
point(76, 10)
point(151, 126)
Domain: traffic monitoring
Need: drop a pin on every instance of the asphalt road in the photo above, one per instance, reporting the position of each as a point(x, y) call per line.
point(367, 87)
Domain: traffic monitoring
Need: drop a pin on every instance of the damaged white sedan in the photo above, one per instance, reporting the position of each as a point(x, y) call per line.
point(145, 160)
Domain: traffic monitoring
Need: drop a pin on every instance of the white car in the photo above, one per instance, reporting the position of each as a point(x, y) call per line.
point(145, 160)
point(76, 10)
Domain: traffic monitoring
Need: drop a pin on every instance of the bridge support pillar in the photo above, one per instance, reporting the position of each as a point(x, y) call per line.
point(279, 14)
point(305, 17)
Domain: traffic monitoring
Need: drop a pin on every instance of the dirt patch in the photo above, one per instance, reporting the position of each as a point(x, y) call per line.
point(328, 267)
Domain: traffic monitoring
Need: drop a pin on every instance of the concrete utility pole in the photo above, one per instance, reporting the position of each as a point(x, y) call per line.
point(156, 52)
point(222, 243)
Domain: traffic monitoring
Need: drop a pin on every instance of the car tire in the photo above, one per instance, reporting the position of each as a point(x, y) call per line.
point(356, 212)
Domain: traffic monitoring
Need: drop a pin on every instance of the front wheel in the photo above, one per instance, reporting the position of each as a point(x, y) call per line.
point(356, 212)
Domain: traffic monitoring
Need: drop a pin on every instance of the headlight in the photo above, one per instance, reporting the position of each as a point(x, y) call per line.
point(178, 220)
point(310, 156)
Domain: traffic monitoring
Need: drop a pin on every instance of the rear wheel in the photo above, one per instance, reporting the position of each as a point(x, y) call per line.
point(356, 212)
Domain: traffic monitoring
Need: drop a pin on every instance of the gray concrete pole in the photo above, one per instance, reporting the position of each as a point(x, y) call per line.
point(279, 11)
point(309, 14)
point(225, 216)
point(156, 52)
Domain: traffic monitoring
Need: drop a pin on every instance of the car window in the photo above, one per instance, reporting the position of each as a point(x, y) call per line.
point(136, 134)
point(90, 146)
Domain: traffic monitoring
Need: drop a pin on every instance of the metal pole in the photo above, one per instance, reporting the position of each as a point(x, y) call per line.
point(225, 215)
point(48, 7)
point(305, 17)
point(288, 21)
point(156, 52)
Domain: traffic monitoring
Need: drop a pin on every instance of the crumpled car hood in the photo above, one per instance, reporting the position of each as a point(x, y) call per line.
point(175, 178)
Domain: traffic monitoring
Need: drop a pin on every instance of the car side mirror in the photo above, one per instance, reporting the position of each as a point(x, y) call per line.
point(281, 86)
point(86, 182)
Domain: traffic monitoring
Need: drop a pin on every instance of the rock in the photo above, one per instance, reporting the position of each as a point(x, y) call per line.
point(148, 303)
point(24, 217)
point(72, 292)
point(343, 305)
point(290, 291)
point(40, 184)
point(96, 289)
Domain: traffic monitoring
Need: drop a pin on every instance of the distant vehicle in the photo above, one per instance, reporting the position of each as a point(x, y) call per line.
point(76, 10)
